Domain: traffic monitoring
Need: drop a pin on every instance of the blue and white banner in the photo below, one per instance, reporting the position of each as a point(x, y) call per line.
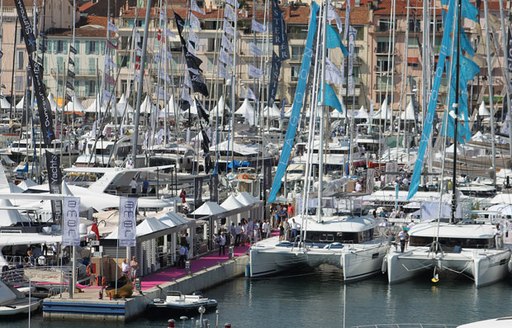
point(275, 71)
point(446, 48)
point(297, 104)
point(71, 221)
point(258, 27)
point(127, 231)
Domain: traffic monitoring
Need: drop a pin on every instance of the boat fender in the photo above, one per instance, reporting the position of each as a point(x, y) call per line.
point(384, 268)
point(171, 323)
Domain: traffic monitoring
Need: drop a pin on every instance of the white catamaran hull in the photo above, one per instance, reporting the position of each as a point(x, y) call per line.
point(483, 266)
point(357, 261)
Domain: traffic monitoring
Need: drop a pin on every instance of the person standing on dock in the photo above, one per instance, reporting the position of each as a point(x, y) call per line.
point(238, 234)
point(183, 256)
point(134, 185)
point(221, 240)
point(125, 268)
point(134, 265)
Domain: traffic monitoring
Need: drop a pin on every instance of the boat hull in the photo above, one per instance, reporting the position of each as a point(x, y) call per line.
point(483, 266)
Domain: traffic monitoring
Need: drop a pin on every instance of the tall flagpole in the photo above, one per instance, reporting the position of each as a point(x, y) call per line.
point(140, 84)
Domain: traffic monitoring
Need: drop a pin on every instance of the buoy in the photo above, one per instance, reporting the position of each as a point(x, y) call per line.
point(171, 323)
point(435, 278)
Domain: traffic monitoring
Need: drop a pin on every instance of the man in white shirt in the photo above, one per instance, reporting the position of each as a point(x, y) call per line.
point(134, 185)
point(266, 229)
point(295, 229)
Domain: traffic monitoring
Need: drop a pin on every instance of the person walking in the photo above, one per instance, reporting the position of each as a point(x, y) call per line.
point(265, 229)
point(134, 185)
point(221, 241)
point(403, 236)
point(295, 229)
point(183, 256)
point(134, 266)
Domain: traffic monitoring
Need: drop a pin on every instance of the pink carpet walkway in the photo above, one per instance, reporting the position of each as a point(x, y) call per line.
point(196, 264)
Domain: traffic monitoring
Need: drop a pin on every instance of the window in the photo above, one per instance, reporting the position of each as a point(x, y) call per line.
point(297, 52)
point(383, 65)
point(92, 88)
point(414, 26)
point(413, 42)
point(20, 62)
point(294, 72)
point(92, 66)
point(91, 47)
point(60, 47)
point(382, 46)
point(384, 25)
point(77, 65)
point(18, 83)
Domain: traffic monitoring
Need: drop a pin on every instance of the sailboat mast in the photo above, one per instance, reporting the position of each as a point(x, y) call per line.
point(490, 81)
point(456, 111)
point(323, 29)
point(506, 72)
point(140, 85)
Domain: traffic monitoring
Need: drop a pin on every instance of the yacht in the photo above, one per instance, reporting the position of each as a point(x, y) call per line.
point(462, 250)
point(105, 152)
point(346, 241)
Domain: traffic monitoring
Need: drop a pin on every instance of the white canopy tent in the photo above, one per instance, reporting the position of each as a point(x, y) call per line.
point(4, 104)
point(123, 106)
point(272, 112)
point(209, 208)
point(96, 106)
point(74, 106)
point(384, 113)
point(147, 106)
point(247, 111)
point(483, 111)
point(408, 114)
point(221, 106)
point(53, 103)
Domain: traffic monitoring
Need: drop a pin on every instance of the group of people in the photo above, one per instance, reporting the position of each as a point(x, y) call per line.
point(247, 231)
point(288, 230)
point(130, 267)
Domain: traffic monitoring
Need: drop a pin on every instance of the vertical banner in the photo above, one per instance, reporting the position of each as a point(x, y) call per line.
point(43, 105)
point(279, 37)
point(298, 102)
point(274, 79)
point(71, 222)
point(214, 187)
point(505, 129)
point(351, 49)
point(267, 176)
point(198, 187)
point(55, 182)
point(127, 230)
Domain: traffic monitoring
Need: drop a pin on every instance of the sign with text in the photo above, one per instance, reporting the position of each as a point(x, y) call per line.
point(127, 232)
point(71, 221)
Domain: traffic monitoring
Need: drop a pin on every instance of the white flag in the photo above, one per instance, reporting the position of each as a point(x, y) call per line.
point(195, 7)
point(225, 57)
point(194, 22)
point(192, 37)
point(255, 50)
point(332, 73)
point(127, 231)
point(185, 95)
point(249, 94)
point(332, 14)
point(234, 3)
point(191, 48)
point(229, 13)
point(111, 27)
point(227, 44)
point(258, 27)
point(186, 81)
point(71, 221)
point(228, 28)
point(255, 72)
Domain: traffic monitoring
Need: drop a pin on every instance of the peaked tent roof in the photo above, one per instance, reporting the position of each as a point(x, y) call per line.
point(53, 103)
point(173, 219)
point(247, 110)
point(384, 112)
point(246, 199)
point(147, 106)
point(273, 112)
point(96, 105)
point(482, 110)
point(221, 104)
point(209, 208)
point(408, 114)
point(74, 106)
point(4, 104)
point(19, 105)
point(232, 203)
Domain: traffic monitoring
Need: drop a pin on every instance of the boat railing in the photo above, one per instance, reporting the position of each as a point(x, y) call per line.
point(407, 325)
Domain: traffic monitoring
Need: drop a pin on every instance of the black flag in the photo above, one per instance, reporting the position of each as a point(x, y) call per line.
point(55, 182)
point(201, 111)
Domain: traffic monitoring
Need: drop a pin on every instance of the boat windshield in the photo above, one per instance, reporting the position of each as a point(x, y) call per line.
point(452, 242)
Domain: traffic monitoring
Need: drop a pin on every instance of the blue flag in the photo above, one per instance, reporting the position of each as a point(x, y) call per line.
point(333, 40)
point(330, 98)
point(298, 101)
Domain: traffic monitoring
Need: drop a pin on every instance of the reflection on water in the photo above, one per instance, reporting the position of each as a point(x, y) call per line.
point(320, 299)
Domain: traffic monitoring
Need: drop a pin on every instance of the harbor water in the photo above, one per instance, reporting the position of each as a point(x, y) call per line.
point(320, 299)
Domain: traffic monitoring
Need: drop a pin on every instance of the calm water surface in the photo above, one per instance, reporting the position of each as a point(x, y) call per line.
point(322, 300)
